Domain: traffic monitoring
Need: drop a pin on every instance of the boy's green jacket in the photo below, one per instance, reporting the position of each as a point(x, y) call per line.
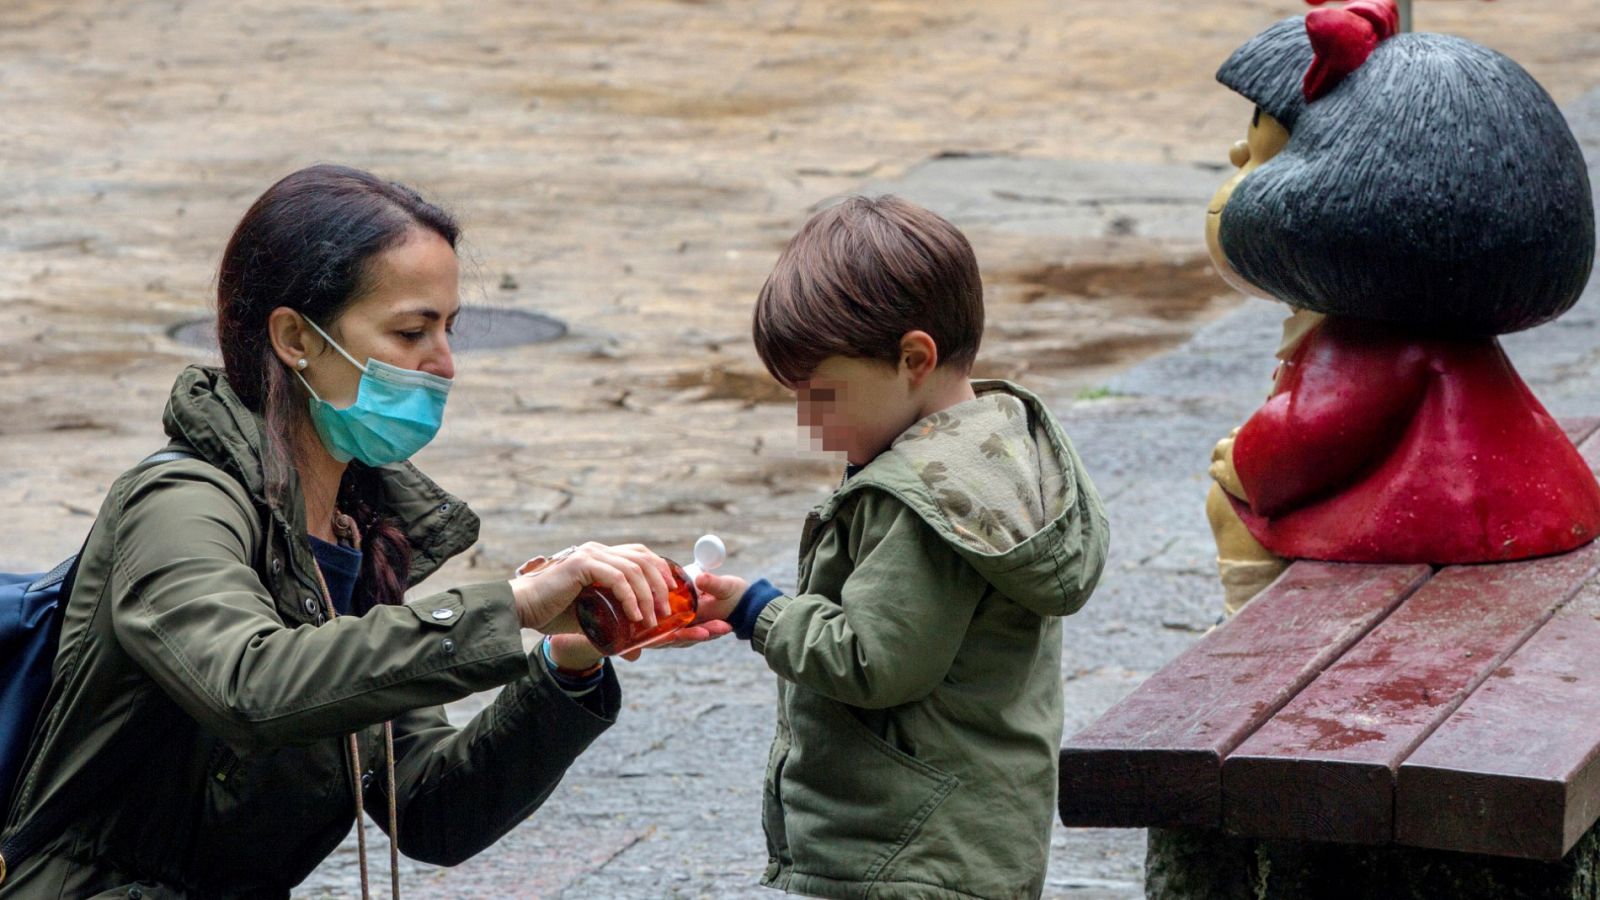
point(919, 708)
point(196, 732)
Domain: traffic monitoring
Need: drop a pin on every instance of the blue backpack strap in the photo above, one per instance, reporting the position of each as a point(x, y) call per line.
point(61, 578)
point(55, 576)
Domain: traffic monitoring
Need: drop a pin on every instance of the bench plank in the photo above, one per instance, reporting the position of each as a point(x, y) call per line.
point(1155, 758)
point(1324, 767)
point(1516, 770)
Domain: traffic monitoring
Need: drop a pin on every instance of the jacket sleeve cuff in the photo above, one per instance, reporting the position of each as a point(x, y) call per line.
point(597, 704)
point(765, 621)
point(573, 685)
point(755, 599)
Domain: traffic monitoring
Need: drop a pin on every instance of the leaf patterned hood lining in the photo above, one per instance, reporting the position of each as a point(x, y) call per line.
point(981, 462)
point(999, 481)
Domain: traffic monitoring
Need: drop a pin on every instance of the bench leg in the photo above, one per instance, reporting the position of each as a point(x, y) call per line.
point(1189, 864)
point(1186, 863)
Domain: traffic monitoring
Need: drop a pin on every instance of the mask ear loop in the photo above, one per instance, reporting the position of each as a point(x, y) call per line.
point(307, 385)
point(332, 343)
point(335, 345)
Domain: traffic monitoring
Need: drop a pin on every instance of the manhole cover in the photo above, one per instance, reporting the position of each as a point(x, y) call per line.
point(478, 328)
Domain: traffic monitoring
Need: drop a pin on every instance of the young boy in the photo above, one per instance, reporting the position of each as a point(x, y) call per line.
point(919, 663)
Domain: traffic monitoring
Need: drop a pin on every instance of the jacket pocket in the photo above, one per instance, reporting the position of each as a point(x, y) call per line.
point(808, 538)
point(772, 803)
point(852, 801)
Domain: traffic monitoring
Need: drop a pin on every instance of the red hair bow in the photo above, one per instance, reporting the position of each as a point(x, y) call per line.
point(1343, 39)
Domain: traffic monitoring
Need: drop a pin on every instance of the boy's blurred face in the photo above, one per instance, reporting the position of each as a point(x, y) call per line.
point(855, 406)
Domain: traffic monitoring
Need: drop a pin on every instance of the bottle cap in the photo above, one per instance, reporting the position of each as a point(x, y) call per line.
point(709, 553)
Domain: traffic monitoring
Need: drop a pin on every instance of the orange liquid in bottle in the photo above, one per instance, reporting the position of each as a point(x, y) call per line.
point(606, 624)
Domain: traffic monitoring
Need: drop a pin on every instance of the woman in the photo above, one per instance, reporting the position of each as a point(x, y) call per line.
point(238, 675)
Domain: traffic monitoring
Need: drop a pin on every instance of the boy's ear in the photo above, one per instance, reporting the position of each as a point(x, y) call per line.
point(919, 355)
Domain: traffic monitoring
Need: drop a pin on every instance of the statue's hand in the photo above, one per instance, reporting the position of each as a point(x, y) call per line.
point(1222, 470)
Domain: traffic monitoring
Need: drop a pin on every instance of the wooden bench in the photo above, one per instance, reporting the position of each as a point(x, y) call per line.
point(1455, 709)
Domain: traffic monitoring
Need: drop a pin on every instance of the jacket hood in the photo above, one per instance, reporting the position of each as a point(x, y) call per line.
point(206, 417)
point(998, 480)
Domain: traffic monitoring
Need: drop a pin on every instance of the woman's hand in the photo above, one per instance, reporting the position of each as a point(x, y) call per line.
point(635, 576)
point(688, 636)
point(574, 653)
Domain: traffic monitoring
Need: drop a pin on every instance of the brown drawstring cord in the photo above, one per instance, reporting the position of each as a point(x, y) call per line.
point(355, 771)
point(361, 822)
point(394, 813)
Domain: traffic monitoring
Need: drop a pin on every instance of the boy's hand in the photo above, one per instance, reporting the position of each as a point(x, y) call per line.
point(719, 594)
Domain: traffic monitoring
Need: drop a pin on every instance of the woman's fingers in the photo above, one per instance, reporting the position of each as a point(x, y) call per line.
point(687, 636)
point(706, 631)
point(656, 571)
point(639, 578)
point(614, 579)
point(699, 633)
point(629, 584)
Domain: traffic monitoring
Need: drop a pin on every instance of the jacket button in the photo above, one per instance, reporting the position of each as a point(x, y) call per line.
point(444, 507)
point(277, 565)
point(311, 606)
point(366, 779)
point(442, 614)
point(448, 645)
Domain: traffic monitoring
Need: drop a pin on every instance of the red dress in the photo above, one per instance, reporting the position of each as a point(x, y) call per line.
point(1379, 447)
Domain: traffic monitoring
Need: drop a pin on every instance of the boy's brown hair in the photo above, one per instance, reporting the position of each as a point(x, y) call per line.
point(860, 275)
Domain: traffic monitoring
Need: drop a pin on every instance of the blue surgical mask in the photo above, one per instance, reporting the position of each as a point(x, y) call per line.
point(396, 413)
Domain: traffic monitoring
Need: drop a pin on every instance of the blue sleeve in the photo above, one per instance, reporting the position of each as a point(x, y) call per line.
point(755, 599)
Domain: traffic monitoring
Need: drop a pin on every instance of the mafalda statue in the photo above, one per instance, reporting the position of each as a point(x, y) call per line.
point(1409, 196)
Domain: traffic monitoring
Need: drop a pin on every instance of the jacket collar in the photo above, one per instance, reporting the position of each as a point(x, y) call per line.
point(1051, 570)
point(204, 415)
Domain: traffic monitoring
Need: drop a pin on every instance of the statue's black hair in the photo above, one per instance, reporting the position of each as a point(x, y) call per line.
point(1437, 187)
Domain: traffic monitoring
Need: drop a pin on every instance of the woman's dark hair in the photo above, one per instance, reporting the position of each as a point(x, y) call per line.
point(1437, 187)
point(857, 277)
point(307, 244)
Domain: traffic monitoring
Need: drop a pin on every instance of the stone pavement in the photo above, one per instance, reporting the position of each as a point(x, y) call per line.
point(632, 168)
point(666, 804)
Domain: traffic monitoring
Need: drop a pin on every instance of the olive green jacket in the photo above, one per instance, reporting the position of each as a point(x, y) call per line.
point(197, 719)
point(919, 704)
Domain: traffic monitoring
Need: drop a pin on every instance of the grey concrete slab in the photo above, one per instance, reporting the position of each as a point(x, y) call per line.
point(1061, 196)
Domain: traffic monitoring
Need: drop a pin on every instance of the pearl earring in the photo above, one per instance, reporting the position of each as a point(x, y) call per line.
point(301, 365)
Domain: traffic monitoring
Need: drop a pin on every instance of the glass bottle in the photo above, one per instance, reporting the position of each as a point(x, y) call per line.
point(605, 622)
